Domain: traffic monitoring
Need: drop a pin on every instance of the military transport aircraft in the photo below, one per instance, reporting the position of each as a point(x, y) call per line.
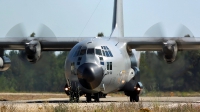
point(97, 66)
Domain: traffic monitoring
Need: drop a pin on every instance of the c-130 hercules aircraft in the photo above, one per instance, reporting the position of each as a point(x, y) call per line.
point(97, 66)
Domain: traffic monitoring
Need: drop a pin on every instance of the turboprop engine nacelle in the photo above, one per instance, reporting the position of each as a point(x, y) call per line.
point(169, 51)
point(33, 51)
point(4, 63)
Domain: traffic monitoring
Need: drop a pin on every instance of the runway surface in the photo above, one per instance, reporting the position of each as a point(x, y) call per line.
point(145, 102)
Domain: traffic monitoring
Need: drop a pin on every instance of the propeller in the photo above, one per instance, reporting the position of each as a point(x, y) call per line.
point(19, 30)
point(180, 65)
point(158, 30)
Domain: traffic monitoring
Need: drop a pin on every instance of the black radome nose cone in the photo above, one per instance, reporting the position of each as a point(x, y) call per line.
point(90, 75)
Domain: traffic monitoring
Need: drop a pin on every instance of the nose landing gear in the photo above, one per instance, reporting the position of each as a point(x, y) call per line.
point(94, 96)
point(74, 97)
point(74, 94)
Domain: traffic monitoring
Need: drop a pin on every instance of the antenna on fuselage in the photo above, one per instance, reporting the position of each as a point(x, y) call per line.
point(90, 18)
point(118, 24)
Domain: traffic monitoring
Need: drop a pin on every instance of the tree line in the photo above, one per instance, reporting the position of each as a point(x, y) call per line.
point(181, 75)
point(47, 75)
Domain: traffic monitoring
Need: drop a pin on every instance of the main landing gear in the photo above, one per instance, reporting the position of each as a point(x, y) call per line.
point(134, 95)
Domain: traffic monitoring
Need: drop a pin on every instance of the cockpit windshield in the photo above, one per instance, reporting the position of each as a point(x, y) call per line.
point(77, 51)
point(82, 52)
point(90, 51)
point(102, 51)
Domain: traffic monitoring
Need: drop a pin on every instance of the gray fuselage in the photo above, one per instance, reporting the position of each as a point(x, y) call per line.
point(109, 55)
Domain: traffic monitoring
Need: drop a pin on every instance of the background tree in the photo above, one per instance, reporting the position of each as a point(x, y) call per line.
point(32, 34)
point(100, 34)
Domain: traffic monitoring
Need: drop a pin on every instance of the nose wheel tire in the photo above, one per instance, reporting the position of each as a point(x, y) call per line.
point(94, 96)
point(74, 96)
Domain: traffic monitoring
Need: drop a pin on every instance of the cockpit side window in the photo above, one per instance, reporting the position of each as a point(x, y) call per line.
point(106, 51)
point(103, 53)
point(107, 54)
point(82, 52)
point(90, 51)
point(110, 53)
point(98, 51)
point(77, 51)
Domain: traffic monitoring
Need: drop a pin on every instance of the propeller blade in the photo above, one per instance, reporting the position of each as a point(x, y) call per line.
point(157, 30)
point(183, 31)
point(45, 31)
point(17, 31)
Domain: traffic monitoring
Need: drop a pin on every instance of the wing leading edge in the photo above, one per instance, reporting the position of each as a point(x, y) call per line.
point(47, 43)
point(66, 43)
point(156, 43)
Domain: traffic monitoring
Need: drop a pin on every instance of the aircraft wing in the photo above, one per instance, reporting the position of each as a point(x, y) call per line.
point(156, 43)
point(47, 43)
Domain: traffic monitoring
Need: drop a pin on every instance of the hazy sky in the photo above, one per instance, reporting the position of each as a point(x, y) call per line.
point(67, 18)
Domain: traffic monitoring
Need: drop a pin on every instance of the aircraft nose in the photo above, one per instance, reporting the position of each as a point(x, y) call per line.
point(90, 75)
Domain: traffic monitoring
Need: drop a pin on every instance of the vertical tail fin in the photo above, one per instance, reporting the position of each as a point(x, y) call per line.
point(118, 25)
